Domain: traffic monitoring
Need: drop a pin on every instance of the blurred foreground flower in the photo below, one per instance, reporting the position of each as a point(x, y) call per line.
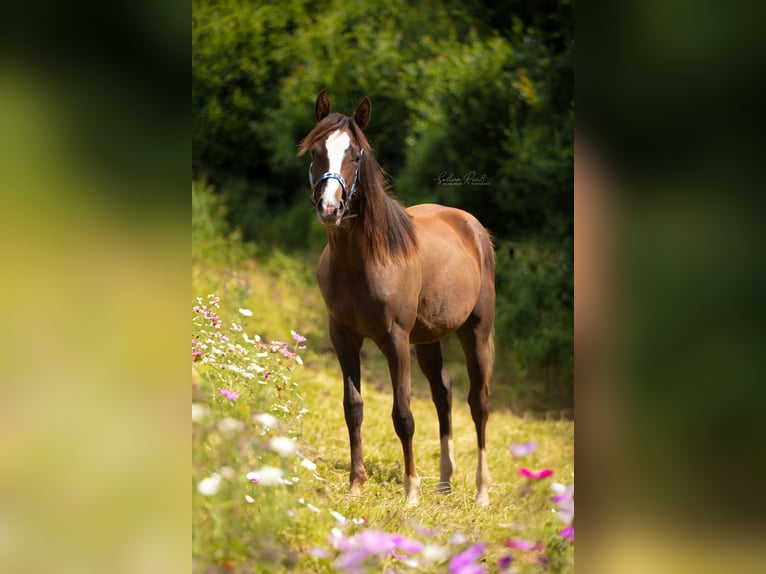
point(535, 475)
point(522, 450)
point(231, 395)
point(565, 500)
point(199, 411)
point(266, 476)
point(465, 562)
point(504, 564)
point(361, 550)
point(522, 544)
point(298, 338)
point(282, 445)
point(210, 485)
point(266, 420)
point(230, 426)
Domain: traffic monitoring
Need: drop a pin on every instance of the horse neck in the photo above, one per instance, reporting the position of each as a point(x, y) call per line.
point(376, 232)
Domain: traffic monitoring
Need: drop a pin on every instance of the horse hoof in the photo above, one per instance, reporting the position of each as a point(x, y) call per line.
point(482, 499)
point(444, 488)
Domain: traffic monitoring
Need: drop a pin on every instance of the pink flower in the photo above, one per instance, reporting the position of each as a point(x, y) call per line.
point(568, 532)
point(229, 394)
point(298, 338)
point(521, 450)
point(504, 563)
point(522, 544)
point(356, 549)
point(565, 500)
point(465, 562)
point(536, 475)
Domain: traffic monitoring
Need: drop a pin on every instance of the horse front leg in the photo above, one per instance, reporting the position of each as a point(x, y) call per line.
point(396, 348)
point(347, 347)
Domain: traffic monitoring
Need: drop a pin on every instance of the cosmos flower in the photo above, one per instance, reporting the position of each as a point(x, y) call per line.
point(210, 485)
point(522, 450)
point(535, 475)
point(266, 476)
point(522, 544)
point(465, 562)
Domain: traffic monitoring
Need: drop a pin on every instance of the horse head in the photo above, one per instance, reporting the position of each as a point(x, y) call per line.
point(336, 147)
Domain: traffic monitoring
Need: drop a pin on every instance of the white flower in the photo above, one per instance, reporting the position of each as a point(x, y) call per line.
point(558, 488)
point(210, 485)
point(306, 463)
point(434, 553)
point(230, 425)
point(255, 367)
point(253, 341)
point(282, 445)
point(246, 312)
point(267, 476)
point(266, 420)
point(199, 411)
point(249, 498)
point(338, 516)
point(457, 538)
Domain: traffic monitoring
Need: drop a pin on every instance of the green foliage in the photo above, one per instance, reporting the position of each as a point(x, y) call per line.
point(535, 313)
point(212, 238)
point(480, 93)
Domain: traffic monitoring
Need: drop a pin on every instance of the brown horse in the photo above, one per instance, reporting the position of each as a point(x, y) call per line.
point(399, 277)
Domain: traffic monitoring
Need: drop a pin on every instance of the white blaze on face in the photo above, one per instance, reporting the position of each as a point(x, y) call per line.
point(336, 145)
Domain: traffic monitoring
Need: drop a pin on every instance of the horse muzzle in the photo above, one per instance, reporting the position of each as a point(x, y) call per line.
point(330, 213)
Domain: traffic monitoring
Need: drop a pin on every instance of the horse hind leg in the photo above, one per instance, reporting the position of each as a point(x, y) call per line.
point(476, 337)
point(432, 364)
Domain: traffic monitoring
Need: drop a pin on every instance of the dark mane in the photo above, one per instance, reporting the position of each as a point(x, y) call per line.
point(382, 218)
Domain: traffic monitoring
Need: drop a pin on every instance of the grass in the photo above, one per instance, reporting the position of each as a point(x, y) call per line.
point(279, 528)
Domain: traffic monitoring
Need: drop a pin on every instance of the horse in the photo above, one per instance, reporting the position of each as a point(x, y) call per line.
point(399, 277)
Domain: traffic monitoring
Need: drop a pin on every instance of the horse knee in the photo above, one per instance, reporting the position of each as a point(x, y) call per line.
point(404, 423)
point(353, 409)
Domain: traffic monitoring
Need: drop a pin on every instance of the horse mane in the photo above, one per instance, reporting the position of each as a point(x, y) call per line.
point(383, 220)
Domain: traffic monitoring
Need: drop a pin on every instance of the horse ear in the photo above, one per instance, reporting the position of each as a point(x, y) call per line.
point(362, 113)
point(322, 106)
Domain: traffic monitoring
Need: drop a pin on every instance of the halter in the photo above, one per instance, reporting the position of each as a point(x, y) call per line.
point(345, 197)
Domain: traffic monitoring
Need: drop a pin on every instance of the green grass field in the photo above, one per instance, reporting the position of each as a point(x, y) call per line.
point(304, 519)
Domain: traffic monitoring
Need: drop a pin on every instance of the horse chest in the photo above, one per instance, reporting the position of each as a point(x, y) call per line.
point(367, 303)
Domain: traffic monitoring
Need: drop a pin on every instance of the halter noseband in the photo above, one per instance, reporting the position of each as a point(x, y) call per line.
point(346, 197)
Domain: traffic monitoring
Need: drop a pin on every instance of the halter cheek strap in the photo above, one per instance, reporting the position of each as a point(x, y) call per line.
point(346, 197)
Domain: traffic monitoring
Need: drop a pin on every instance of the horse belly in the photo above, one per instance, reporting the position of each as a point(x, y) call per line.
point(443, 307)
point(451, 270)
